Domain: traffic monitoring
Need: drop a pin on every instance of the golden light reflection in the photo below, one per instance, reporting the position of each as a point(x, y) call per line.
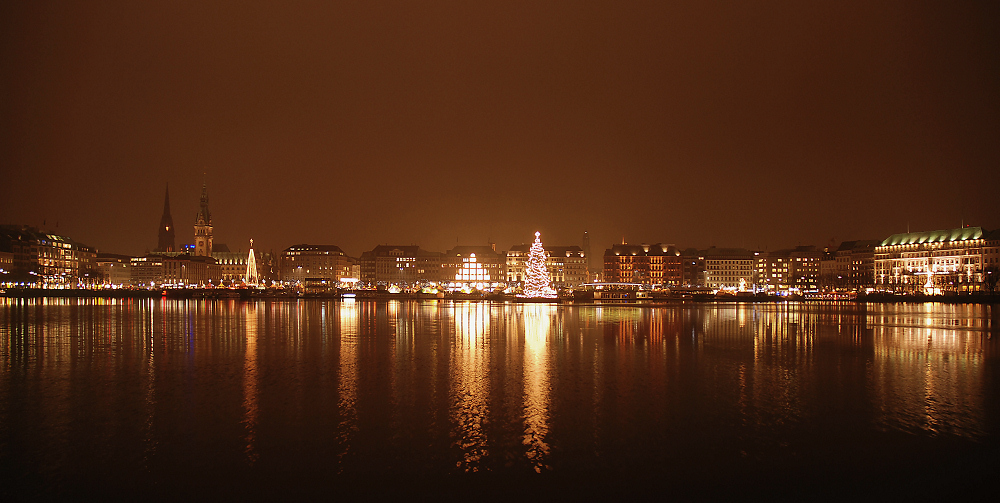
point(148, 432)
point(250, 380)
point(470, 382)
point(347, 377)
point(929, 363)
point(537, 321)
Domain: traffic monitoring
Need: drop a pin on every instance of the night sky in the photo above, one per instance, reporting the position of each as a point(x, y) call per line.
point(763, 125)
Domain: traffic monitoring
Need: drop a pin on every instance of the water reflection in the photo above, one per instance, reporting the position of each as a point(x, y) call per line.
point(347, 378)
point(441, 387)
point(537, 322)
point(470, 366)
point(250, 380)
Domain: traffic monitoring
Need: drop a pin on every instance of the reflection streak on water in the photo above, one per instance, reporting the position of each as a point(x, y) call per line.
point(250, 380)
point(758, 370)
point(537, 321)
point(347, 378)
point(930, 362)
point(470, 367)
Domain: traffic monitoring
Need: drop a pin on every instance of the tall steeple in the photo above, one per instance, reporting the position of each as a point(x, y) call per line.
point(166, 241)
point(203, 226)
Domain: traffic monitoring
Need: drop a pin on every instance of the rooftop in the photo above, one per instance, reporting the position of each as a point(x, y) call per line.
point(939, 236)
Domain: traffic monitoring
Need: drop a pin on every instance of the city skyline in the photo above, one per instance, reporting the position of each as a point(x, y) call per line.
point(762, 126)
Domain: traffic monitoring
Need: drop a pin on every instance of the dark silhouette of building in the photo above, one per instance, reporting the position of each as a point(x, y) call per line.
point(203, 227)
point(166, 241)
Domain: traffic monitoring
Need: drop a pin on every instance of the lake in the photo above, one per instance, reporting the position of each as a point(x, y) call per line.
point(320, 399)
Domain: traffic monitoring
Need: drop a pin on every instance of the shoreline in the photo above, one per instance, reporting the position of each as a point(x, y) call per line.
point(251, 294)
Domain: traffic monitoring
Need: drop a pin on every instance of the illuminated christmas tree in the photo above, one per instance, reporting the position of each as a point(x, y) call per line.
point(251, 277)
point(536, 280)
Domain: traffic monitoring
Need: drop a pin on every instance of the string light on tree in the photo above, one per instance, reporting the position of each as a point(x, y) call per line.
point(537, 279)
point(251, 277)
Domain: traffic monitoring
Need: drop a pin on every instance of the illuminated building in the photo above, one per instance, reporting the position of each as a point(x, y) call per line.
point(567, 265)
point(790, 270)
point(187, 270)
point(942, 260)
point(232, 265)
point(203, 227)
point(6, 264)
point(39, 257)
point(479, 267)
point(855, 264)
point(732, 268)
point(400, 265)
point(146, 271)
point(657, 264)
point(166, 233)
point(114, 269)
point(302, 262)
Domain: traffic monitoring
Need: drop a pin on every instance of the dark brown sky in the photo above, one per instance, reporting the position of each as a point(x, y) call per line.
point(728, 123)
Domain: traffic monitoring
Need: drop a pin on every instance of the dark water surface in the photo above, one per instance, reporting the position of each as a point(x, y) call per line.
point(230, 399)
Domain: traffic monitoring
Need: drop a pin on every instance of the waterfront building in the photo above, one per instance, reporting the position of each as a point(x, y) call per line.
point(174, 269)
point(114, 269)
point(166, 242)
point(6, 264)
point(146, 271)
point(829, 279)
point(795, 270)
point(203, 227)
point(41, 257)
point(478, 267)
point(933, 261)
point(567, 265)
point(855, 263)
point(693, 271)
point(731, 268)
point(658, 264)
point(187, 270)
point(591, 272)
point(232, 265)
point(305, 262)
point(400, 265)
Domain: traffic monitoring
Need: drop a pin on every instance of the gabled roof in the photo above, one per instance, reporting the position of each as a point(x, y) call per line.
point(939, 236)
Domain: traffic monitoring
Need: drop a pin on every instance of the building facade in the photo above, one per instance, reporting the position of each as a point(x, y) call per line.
point(730, 268)
point(305, 262)
point(114, 269)
point(400, 265)
point(567, 265)
point(478, 267)
point(659, 265)
point(934, 261)
point(203, 227)
point(38, 257)
point(795, 270)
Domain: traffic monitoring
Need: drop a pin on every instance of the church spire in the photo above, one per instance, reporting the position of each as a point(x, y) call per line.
point(203, 226)
point(166, 233)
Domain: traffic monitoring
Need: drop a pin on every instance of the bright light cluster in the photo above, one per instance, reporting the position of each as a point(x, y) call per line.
point(537, 279)
point(251, 277)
